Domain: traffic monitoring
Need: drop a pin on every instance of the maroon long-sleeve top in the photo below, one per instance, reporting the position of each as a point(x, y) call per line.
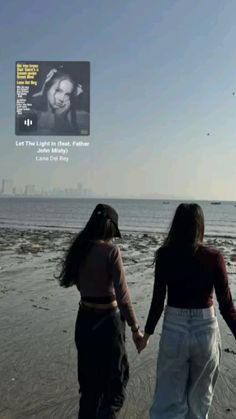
point(189, 281)
point(102, 279)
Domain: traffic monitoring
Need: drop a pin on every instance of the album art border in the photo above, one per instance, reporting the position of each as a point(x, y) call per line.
point(82, 113)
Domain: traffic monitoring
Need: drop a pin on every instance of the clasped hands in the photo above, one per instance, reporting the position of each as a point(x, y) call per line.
point(140, 340)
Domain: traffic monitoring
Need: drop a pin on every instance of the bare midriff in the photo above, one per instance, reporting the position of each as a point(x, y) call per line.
point(113, 304)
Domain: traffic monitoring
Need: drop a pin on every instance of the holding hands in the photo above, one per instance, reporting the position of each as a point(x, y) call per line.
point(140, 340)
point(143, 343)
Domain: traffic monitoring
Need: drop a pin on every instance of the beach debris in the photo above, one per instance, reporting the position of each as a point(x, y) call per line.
point(50, 279)
point(28, 247)
point(4, 290)
point(35, 248)
point(13, 379)
point(40, 307)
point(230, 351)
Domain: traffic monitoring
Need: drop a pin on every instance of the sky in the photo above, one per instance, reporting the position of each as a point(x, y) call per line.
point(162, 79)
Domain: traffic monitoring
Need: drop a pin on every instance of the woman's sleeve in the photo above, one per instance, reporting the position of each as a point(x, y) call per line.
point(158, 298)
point(223, 294)
point(121, 287)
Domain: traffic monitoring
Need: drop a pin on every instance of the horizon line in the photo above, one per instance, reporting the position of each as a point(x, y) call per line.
point(177, 198)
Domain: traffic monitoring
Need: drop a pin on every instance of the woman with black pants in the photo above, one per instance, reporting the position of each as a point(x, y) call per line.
point(95, 266)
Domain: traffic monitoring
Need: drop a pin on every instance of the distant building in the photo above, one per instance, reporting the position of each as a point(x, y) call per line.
point(79, 190)
point(18, 190)
point(29, 190)
point(7, 187)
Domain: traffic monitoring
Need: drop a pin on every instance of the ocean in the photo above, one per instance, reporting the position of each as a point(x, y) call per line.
point(134, 215)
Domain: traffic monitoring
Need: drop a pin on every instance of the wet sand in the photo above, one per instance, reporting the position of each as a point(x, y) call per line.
point(37, 352)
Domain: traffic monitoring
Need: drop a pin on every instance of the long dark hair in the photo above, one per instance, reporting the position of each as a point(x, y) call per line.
point(187, 229)
point(97, 228)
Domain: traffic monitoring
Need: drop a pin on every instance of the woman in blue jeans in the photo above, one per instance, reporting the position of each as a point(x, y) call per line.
point(190, 347)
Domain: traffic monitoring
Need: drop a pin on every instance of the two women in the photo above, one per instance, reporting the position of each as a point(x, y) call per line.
point(189, 353)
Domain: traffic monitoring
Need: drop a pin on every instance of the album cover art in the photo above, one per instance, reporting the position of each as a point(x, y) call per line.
point(52, 98)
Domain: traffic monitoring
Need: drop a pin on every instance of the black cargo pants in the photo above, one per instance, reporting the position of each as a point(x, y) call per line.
point(103, 369)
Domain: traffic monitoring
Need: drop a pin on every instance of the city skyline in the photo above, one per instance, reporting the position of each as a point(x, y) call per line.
point(9, 189)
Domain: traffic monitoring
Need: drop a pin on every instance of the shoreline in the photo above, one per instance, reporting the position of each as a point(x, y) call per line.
point(124, 232)
point(38, 356)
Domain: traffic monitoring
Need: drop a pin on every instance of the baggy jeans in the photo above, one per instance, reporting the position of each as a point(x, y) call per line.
point(103, 369)
point(187, 365)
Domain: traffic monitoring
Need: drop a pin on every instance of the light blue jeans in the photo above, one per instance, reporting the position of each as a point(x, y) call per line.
point(187, 365)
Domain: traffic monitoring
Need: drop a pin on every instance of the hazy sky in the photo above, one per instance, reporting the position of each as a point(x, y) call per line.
point(162, 77)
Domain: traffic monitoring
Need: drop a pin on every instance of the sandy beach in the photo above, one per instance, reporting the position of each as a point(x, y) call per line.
point(37, 351)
